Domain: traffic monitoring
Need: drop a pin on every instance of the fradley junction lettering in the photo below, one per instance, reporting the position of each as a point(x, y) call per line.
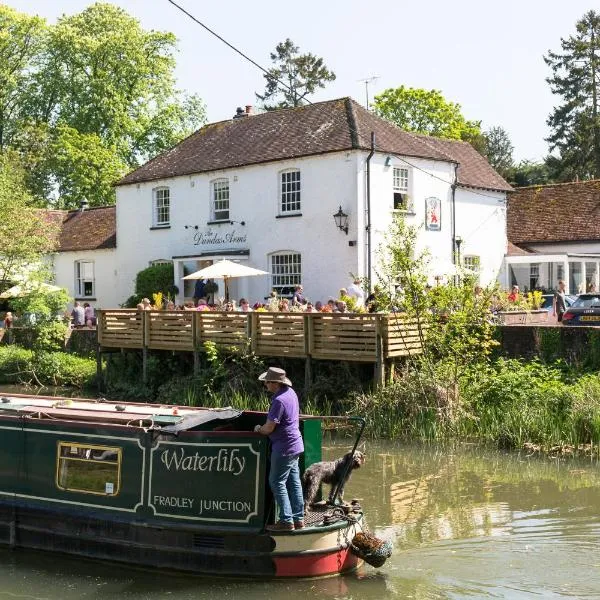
point(227, 506)
point(173, 501)
point(209, 481)
point(225, 461)
point(215, 238)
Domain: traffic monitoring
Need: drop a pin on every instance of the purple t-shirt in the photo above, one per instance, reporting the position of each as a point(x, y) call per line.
point(286, 439)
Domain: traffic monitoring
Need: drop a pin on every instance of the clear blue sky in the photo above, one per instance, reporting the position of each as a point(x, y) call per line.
point(487, 56)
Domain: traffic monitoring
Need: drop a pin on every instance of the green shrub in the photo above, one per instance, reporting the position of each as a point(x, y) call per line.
point(18, 365)
point(15, 364)
point(156, 278)
point(59, 368)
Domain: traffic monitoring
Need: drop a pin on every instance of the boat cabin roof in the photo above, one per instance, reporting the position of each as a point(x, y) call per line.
point(170, 419)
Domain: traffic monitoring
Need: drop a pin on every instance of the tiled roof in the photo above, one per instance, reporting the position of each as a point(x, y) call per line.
point(473, 169)
point(514, 250)
point(562, 212)
point(332, 126)
point(90, 229)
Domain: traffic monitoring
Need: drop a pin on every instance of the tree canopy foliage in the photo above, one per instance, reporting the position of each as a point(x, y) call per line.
point(574, 123)
point(88, 99)
point(303, 74)
point(499, 150)
point(429, 113)
point(27, 234)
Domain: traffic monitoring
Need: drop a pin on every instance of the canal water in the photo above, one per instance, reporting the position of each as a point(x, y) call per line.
point(466, 522)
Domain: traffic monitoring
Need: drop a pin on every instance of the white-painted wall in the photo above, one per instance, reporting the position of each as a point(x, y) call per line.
point(481, 224)
point(328, 182)
point(106, 271)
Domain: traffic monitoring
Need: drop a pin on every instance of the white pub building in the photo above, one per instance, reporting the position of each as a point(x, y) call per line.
point(263, 189)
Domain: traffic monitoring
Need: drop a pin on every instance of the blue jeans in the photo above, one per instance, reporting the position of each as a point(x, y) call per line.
point(284, 479)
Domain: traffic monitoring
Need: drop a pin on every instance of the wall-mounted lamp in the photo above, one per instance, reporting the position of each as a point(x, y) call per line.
point(388, 161)
point(341, 220)
point(242, 223)
point(458, 241)
point(191, 226)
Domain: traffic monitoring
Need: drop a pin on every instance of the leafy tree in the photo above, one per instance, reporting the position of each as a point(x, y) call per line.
point(528, 172)
point(303, 74)
point(21, 40)
point(27, 235)
point(96, 96)
point(83, 166)
point(427, 112)
point(575, 123)
point(499, 150)
point(453, 324)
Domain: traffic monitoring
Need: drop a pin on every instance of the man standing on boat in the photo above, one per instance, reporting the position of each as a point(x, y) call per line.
point(283, 429)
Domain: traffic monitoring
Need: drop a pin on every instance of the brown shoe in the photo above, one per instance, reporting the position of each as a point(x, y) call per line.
point(298, 524)
point(280, 526)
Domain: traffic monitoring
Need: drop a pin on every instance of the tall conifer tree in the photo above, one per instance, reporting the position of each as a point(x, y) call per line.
point(575, 122)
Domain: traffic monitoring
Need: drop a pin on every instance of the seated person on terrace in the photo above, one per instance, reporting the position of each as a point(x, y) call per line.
point(244, 305)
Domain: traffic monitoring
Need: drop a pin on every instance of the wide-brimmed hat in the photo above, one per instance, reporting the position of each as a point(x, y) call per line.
point(275, 375)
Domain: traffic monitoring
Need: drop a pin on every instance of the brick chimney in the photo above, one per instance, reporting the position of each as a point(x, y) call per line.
point(249, 109)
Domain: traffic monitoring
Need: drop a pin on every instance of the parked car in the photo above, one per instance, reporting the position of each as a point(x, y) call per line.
point(547, 300)
point(584, 311)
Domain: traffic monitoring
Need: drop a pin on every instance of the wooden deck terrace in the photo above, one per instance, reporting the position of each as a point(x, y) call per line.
point(375, 338)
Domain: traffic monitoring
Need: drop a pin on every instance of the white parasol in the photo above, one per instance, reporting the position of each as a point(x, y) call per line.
point(24, 289)
point(225, 269)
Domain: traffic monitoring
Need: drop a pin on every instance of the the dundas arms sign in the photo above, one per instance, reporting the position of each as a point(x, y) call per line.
point(211, 237)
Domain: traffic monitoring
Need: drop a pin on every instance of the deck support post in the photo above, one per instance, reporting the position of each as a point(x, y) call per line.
point(379, 355)
point(99, 375)
point(307, 374)
point(145, 339)
point(307, 325)
point(196, 328)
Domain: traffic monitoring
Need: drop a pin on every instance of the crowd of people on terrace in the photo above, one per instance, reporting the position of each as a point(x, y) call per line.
point(349, 299)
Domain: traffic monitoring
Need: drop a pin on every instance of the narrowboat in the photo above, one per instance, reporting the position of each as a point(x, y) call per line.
point(175, 488)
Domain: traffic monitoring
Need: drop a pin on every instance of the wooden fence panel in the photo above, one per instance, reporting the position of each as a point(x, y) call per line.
point(222, 328)
point(170, 330)
point(120, 329)
point(279, 334)
point(332, 336)
point(401, 336)
point(344, 337)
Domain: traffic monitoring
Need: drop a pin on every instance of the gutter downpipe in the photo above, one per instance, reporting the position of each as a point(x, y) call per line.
point(454, 184)
point(369, 157)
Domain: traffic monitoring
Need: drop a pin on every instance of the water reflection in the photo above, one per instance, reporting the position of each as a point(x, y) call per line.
point(466, 523)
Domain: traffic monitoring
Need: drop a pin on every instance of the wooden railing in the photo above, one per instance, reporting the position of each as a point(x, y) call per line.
point(333, 336)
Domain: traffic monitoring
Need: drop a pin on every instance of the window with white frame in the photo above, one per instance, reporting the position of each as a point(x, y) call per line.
point(161, 208)
point(286, 272)
point(160, 261)
point(85, 285)
point(472, 265)
point(220, 200)
point(400, 184)
point(534, 276)
point(290, 191)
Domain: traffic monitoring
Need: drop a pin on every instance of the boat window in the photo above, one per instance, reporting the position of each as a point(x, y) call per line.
point(88, 468)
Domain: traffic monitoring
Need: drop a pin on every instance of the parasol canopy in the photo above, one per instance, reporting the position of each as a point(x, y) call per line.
point(225, 269)
point(24, 289)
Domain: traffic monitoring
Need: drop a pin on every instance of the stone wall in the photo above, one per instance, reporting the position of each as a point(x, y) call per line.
point(578, 346)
